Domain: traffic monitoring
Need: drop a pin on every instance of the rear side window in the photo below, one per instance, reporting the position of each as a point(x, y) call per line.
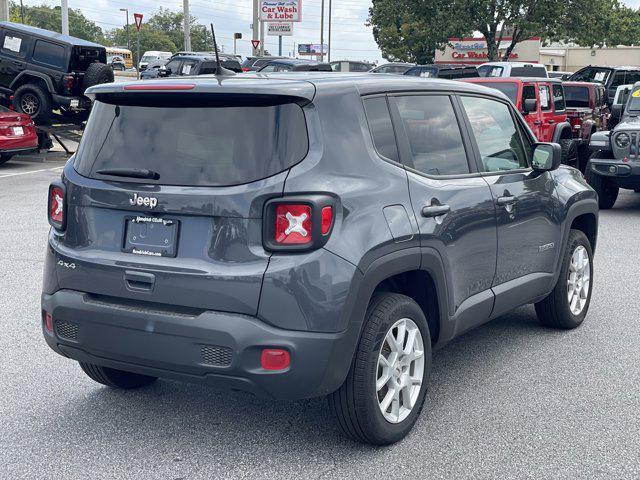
point(381, 127)
point(203, 146)
point(359, 67)
point(545, 97)
point(528, 93)
point(558, 97)
point(434, 135)
point(48, 53)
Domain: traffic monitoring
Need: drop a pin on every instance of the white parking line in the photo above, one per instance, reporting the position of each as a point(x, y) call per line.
point(32, 171)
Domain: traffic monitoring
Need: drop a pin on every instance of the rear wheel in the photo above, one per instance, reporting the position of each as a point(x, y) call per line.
point(607, 191)
point(385, 389)
point(34, 101)
point(116, 378)
point(568, 303)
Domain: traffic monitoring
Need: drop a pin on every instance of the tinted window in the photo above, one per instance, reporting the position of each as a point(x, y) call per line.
point(618, 79)
point(336, 66)
point(207, 145)
point(359, 67)
point(48, 53)
point(188, 67)
point(496, 133)
point(208, 68)
point(632, 77)
point(528, 93)
point(434, 135)
point(285, 68)
point(538, 72)
point(490, 71)
point(14, 44)
point(424, 72)
point(508, 88)
point(558, 97)
point(173, 65)
point(269, 68)
point(545, 97)
point(591, 75)
point(381, 127)
point(577, 97)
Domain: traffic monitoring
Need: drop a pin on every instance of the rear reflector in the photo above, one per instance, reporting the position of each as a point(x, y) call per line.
point(275, 359)
point(327, 219)
point(159, 86)
point(293, 224)
point(48, 322)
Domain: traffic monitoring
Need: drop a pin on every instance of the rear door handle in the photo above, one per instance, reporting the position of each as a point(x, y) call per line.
point(551, 122)
point(139, 281)
point(432, 211)
point(537, 122)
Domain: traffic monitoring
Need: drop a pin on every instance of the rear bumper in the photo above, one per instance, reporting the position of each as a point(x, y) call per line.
point(69, 101)
point(216, 348)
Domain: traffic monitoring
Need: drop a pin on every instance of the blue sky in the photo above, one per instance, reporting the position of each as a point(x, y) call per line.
point(350, 37)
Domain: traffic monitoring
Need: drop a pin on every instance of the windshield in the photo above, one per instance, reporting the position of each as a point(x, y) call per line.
point(591, 74)
point(508, 88)
point(424, 72)
point(203, 146)
point(634, 100)
point(577, 97)
point(148, 58)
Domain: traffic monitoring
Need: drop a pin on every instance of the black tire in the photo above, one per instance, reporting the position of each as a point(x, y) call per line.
point(554, 311)
point(355, 403)
point(5, 157)
point(607, 191)
point(116, 378)
point(35, 101)
point(569, 152)
point(96, 74)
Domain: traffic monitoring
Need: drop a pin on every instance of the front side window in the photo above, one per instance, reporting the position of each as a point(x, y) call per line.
point(545, 97)
point(173, 66)
point(496, 133)
point(335, 66)
point(381, 127)
point(558, 97)
point(434, 134)
point(14, 44)
point(49, 54)
point(618, 79)
point(268, 68)
point(188, 67)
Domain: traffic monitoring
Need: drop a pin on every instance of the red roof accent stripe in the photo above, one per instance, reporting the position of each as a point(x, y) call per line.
point(158, 86)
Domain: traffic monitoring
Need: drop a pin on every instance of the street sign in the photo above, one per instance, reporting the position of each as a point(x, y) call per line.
point(255, 43)
point(281, 10)
point(138, 18)
point(280, 29)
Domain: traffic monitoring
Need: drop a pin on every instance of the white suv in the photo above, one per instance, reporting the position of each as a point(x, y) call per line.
point(512, 69)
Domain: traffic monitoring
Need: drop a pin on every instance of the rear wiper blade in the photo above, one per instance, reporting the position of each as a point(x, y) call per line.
point(130, 172)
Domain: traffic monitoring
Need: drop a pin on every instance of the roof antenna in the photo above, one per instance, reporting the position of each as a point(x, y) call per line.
point(220, 70)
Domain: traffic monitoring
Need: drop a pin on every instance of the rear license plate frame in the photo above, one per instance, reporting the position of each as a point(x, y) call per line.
point(17, 131)
point(135, 246)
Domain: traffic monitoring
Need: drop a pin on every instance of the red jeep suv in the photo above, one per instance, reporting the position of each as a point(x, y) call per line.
point(542, 103)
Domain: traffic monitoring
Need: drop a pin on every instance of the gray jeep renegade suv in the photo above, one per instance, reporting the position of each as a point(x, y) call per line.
point(304, 235)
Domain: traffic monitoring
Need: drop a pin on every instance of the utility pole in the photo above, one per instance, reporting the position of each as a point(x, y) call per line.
point(262, 38)
point(126, 10)
point(4, 10)
point(21, 12)
point(329, 49)
point(322, 32)
point(65, 17)
point(187, 22)
point(256, 24)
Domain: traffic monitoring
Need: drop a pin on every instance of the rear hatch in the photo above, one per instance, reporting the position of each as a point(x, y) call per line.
point(165, 196)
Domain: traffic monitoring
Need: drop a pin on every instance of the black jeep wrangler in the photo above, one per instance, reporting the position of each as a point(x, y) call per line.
point(615, 161)
point(42, 71)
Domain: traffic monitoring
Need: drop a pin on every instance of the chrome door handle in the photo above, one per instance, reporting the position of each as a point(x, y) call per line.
point(504, 201)
point(432, 211)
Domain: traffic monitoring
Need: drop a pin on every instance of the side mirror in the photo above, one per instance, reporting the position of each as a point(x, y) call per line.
point(617, 111)
point(530, 105)
point(546, 157)
point(164, 71)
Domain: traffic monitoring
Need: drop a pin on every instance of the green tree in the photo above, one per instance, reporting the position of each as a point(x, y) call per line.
point(150, 39)
point(171, 24)
point(412, 30)
point(50, 18)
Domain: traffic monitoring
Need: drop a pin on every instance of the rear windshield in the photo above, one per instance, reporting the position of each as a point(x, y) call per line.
point(508, 88)
point(577, 97)
point(537, 72)
point(204, 146)
point(634, 101)
point(82, 57)
point(490, 71)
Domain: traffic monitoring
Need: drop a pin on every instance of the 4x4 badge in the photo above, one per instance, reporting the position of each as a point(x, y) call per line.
point(150, 202)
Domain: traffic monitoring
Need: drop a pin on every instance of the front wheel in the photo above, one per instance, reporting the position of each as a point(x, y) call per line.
point(568, 303)
point(385, 389)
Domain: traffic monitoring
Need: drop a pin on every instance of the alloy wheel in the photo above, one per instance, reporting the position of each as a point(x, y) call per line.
point(29, 104)
point(579, 280)
point(400, 370)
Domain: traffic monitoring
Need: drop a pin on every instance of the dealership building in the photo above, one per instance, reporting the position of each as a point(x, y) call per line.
point(473, 50)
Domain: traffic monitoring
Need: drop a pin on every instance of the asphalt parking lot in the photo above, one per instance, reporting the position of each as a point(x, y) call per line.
point(507, 400)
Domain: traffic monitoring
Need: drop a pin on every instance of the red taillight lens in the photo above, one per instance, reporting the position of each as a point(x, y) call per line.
point(293, 224)
point(68, 82)
point(245, 69)
point(56, 206)
point(275, 359)
point(327, 219)
point(48, 322)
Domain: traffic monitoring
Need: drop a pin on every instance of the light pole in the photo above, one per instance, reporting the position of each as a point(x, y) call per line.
point(126, 10)
point(322, 32)
point(329, 49)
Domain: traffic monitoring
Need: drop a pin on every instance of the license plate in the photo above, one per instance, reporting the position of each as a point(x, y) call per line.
point(75, 103)
point(151, 236)
point(18, 131)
